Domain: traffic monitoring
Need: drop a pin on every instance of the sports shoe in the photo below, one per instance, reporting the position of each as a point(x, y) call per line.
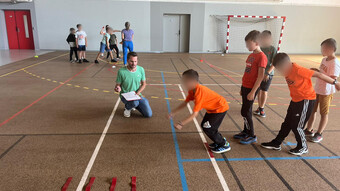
point(316, 138)
point(308, 133)
point(127, 113)
point(113, 60)
point(298, 151)
point(84, 60)
point(72, 61)
point(271, 145)
point(222, 149)
point(79, 61)
point(257, 111)
point(248, 140)
point(113, 66)
point(96, 61)
point(241, 135)
point(214, 145)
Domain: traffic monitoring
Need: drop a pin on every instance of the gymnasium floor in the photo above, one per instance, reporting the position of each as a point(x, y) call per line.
point(61, 120)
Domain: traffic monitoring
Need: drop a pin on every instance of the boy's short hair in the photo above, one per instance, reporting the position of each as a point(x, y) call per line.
point(72, 29)
point(280, 58)
point(131, 54)
point(253, 36)
point(266, 33)
point(191, 74)
point(331, 42)
point(78, 25)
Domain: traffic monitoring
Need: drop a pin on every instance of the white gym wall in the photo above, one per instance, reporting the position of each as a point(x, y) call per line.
point(306, 27)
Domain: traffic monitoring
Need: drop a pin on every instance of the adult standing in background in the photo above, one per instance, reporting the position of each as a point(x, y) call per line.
point(127, 37)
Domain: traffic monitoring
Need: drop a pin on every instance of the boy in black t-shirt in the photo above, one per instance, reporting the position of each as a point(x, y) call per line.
point(71, 40)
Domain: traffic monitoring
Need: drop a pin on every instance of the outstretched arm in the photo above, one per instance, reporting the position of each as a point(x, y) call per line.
point(327, 79)
point(102, 30)
point(180, 124)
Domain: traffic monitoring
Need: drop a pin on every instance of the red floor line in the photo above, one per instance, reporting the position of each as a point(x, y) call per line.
point(42, 97)
point(133, 183)
point(113, 184)
point(223, 73)
point(211, 154)
point(67, 183)
point(89, 185)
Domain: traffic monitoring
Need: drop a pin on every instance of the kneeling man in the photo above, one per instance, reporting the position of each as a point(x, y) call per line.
point(131, 78)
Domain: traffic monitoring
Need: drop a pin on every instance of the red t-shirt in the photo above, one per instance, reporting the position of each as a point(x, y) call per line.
point(300, 85)
point(254, 62)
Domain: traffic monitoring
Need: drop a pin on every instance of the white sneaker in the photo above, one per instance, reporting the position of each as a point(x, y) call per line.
point(133, 109)
point(127, 113)
point(113, 66)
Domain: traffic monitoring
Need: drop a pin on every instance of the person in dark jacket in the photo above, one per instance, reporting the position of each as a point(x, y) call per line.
point(71, 40)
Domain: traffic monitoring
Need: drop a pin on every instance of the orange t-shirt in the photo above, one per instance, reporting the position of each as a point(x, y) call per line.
point(205, 98)
point(300, 84)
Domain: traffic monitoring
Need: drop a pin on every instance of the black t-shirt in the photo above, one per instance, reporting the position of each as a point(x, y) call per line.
point(112, 40)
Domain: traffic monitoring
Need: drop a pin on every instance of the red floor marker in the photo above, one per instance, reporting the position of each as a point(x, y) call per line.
point(89, 185)
point(113, 184)
point(68, 181)
point(133, 183)
point(209, 150)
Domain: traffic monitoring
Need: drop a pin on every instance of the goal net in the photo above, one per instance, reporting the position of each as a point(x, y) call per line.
point(232, 29)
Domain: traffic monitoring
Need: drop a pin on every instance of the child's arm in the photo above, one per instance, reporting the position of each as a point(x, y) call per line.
point(77, 42)
point(102, 30)
point(177, 109)
point(86, 41)
point(257, 84)
point(327, 79)
point(107, 43)
point(180, 124)
point(266, 76)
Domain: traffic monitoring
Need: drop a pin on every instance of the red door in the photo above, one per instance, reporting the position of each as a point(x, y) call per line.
point(19, 29)
point(11, 26)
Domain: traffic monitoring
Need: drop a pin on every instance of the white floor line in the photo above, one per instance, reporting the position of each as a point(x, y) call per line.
point(212, 84)
point(213, 161)
point(96, 150)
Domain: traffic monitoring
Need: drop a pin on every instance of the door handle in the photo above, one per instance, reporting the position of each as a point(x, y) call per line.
point(17, 29)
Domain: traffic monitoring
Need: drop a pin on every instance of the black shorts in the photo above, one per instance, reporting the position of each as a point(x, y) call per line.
point(81, 48)
point(265, 85)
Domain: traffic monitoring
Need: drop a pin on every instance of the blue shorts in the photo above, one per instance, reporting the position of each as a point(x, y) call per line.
point(103, 47)
point(81, 48)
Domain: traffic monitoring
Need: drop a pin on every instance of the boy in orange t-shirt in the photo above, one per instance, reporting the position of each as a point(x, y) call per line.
point(215, 105)
point(251, 81)
point(303, 99)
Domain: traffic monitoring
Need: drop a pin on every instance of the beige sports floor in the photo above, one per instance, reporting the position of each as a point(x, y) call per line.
point(60, 120)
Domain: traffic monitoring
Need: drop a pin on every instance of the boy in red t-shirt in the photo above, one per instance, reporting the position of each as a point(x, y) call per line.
point(215, 105)
point(252, 78)
point(303, 99)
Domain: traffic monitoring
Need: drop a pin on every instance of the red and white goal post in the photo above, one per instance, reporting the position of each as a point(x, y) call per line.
point(233, 29)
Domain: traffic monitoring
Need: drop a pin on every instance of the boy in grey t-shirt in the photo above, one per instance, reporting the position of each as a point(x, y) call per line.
point(270, 51)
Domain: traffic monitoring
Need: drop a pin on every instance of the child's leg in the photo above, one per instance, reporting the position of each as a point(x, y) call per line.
point(75, 52)
point(246, 112)
point(71, 53)
point(262, 98)
point(117, 50)
point(312, 118)
point(98, 55)
point(285, 126)
point(325, 102)
point(210, 124)
point(304, 109)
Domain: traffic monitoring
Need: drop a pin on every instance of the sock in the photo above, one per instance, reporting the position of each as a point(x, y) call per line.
point(261, 109)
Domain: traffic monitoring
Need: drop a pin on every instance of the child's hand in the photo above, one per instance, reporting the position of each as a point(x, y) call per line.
point(266, 78)
point(179, 126)
point(337, 86)
point(315, 69)
point(118, 89)
point(251, 96)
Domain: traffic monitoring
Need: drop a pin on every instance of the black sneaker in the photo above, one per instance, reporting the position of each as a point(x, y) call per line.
point(271, 145)
point(214, 145)
point(308, 133)
point(222, 149)
point(257, 112)
point(84, 60)
point(79, 61)
point(113, 60)
point(96, 61)
point(298, 151)
point(241, 135)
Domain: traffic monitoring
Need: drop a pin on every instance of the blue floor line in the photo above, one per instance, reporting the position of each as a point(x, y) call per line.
point(178, 154)
point(269, 158)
